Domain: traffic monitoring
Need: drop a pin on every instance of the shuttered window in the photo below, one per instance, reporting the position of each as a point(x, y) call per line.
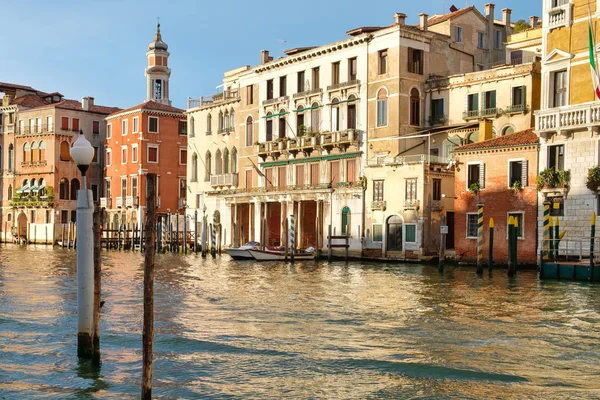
point(334, 176)
point(282, 181)
point(299, 175)
point(249, 179)
point(351, 171)
point(517, 173)
point(314, 174)
point(476, 174)
point(269, 177)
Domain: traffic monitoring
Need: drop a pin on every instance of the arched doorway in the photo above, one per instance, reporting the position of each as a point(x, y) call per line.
point(394, 233)
point(345, 220)
point(22, 227)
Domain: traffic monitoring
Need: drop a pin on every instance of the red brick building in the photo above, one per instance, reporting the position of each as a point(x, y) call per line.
point(148, 138)
point(500, 173)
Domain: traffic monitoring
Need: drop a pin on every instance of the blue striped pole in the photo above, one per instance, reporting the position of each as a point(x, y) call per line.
point(480, 238)
point(292, 238)
point(213, 251)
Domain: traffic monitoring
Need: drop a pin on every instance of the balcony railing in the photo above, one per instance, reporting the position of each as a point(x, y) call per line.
point(10, 128)
point(470, 114)
point(224, 180)
point(120, 202)
point(131, 201)
point(226, 129)
point(105, 202)
point(565, 118)
point(516, 109)
point(437, 205)
point(437, 120)
point(308, 93)
point(379, 205)
point(34, 163)
point(215, 98)
point(420, 158)
point(36, 129)
point(411, 204)
point(335, 86)
point(275, 100)
point(486, 112)
point(560, 16)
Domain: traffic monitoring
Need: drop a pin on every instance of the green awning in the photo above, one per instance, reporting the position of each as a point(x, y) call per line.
point(311, 159)
point(307, 109)
point(344, 101)
point(276, 115)
point(24, 188)
point(273, 164)
point(341, 156)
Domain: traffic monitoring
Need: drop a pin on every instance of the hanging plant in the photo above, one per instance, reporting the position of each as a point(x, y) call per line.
point(593, 178)
point(474, 188)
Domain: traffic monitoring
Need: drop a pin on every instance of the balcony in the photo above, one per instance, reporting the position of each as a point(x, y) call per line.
point(275, 100)
point(437, 120)
point(181, 203)
point(341, 138)
point(581, 116)
point(484, 113)
point(378, 205)
point(31, 201)
point(516, 109)
point(411, 204)
point(560, 16)
point(224, 180)
point(120, 202)
point(307, 93)
point(10, 128)
point(437, 205)
point(225, 130)
point(214, 99)
point(340, 85)
point(131, 201)
point(36, 129)
point(105, 202)
point(34, 163)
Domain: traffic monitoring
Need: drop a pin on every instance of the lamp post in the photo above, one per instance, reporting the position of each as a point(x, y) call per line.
point(82, 153)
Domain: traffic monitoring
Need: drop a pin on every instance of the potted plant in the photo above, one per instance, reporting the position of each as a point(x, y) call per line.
point(257, 144)
point(474, 188)
point(551, 178)
point(516, 186)
point(593, 178)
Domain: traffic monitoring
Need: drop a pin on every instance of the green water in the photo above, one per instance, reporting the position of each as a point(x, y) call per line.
point(228, 329)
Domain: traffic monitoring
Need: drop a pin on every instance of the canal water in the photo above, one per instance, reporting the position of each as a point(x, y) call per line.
point(228, 329)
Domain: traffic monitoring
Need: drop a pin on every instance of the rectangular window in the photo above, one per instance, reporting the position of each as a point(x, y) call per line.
point(515, 171)
point(335, 73)
point(382, 62)
point(134, 186)
point(134, 153)
point(301, 81)
point(64, 125)
point(473, 102)
point(108, 160)
point(497, 39)
point(480, 40)
point(410, 193)
point(299, 175)
point(48, 219)
point(314, 175)
point(73, 216)
point(489, 99)
point(519, 217)
point(560, 89)
point(458, 34)
point(437, 189)
point(269, 178)
point(415, 61)
point(382, 111)
point(556, 157)
point(107, 190)
point(269, 89)
point(352, 69)
point(378, 190)
point(123, 187)
point(316, 78)
point(183, 127)
point(475, 174)
point(377, 232)
point(281, 178)
point(153, 124)
point(153, 154)
point(269, 130)
point(124, 155)
point(95, 191)
point(249, 179)
point(124, 127)
point(351, 171)
point(518, 97)
point(95, 158)
point(334, 172)
point(437, 111)
point(75, 123)
point(64, 216)
point(516, 57)
point(249, 94)
point(96, 127)
point(108, 131)
point(282, 86)
point(182, 156)
point(136, 123)
point(472, 225)
point(411, 233)
point(48, 123)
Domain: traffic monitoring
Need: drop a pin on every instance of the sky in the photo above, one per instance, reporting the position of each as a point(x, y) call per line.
point(98, 48)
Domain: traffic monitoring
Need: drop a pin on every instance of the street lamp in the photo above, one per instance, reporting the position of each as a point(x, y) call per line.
point(82, 153)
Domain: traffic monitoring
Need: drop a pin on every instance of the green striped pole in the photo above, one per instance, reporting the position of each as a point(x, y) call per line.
point(491, 245)
point(592, 239)
point(546, 237)
point(556, 207)
point(480, 238)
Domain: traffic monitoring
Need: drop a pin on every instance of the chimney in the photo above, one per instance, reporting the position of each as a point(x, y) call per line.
point(87, 103)
point(533, 21)
point(423, 21)
point(489, 11)
point(400, 18)
point(506, 17)
point(265, 57)
point(485, 129)
point(489, 33)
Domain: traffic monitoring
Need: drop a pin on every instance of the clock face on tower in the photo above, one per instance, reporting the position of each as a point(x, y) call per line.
point(158, 89)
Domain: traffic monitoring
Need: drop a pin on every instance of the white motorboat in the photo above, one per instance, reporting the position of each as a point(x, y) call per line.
point(279, 255)
point(241, 253)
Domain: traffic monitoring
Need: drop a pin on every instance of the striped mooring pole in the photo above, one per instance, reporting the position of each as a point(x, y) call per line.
point(592, 239)
point(546, 233)
point(551, 239)
point(292, 238)
point(213, 251)
point(480, 238)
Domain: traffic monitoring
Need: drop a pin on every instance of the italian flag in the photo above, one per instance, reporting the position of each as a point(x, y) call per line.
point(595, 78)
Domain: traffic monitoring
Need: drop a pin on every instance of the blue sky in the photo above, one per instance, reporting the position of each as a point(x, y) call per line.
point(98, 48)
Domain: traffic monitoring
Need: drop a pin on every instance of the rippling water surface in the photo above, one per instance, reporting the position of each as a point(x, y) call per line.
point(227, 329)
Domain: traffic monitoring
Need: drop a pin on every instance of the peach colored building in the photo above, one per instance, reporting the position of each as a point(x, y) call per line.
point(148, 138)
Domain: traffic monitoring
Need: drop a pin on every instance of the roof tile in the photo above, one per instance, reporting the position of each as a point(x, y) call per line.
point(521, 138)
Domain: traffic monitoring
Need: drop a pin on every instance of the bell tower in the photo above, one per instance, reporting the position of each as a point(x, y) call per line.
point(157, 71)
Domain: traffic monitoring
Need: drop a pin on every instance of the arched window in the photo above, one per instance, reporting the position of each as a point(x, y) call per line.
point(345, 220)
point(41, 187)
point(300, 127)
point(269, 127)
point(351, 112)
point(234, 161)
point(32, 186)
point(10, 192)
point(225, 161)
point(415, 107)
point(508, 130)
point(226, 121)
point(232, 119)
point(64, 189)
point(207, 166)
point(34, 152)
point(191, 127)
point(195, 167)
point(24, 187)
point(9, 217)
point(11, 157)
point(218, 163)
point(74, 188)
point(42, 151)
point(382, 107)
point(335, 115)
point(282, 124)
point(26, 152)
point(221, 122)
point(209, 124)
point(249, 131)
point(65, 154)
point(315, 117)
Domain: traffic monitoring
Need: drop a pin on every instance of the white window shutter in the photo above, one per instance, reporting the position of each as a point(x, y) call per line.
point(481, 175)
point(524, 173)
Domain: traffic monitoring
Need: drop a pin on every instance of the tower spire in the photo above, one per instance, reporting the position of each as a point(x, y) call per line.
point(158, 72)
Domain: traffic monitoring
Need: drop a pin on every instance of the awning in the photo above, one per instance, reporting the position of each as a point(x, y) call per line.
point(344, 101)
point(276, 115)
point(38, 187)
point(307, 109)
point(24, 188)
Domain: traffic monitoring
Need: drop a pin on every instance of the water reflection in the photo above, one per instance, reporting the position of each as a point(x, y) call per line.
point(308, 330)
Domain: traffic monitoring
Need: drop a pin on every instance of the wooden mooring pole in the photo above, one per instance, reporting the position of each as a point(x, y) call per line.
point(442, 256)
point(148, 330)
point(491, 245)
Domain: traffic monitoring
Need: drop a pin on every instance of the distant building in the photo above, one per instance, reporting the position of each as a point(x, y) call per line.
point(147, 138)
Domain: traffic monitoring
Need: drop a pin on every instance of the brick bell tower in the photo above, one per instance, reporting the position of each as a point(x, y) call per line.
point(157, 71)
